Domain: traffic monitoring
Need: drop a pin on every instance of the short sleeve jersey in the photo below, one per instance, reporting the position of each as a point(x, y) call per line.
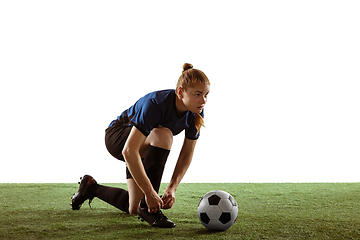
point(158, 109)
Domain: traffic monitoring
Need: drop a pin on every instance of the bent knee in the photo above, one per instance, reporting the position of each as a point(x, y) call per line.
point(161, 137)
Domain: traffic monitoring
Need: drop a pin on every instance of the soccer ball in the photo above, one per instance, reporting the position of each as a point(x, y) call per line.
point(217, 210)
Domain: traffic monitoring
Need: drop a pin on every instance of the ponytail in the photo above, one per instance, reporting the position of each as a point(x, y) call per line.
point(199, 122)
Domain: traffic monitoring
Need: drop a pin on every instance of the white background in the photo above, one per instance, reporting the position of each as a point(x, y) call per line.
point(284, 104)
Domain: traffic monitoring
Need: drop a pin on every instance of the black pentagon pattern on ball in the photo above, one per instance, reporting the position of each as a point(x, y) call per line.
point(204, 218)
point(214, 200)
point(225, 217)
point(232, 200)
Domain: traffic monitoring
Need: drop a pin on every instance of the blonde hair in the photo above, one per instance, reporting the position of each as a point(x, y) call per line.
point(188, 77)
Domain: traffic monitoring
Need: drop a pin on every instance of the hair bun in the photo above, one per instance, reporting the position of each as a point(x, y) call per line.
point(187, 66)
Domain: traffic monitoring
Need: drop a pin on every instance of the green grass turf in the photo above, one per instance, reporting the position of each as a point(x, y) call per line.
point(266, 211)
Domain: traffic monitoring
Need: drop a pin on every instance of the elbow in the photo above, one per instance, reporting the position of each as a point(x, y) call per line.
point(126, 152)
point(129, 153)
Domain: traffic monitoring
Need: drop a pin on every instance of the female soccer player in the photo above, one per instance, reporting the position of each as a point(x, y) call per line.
point(142, 137)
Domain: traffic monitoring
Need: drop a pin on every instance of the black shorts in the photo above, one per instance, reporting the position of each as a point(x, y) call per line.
point(115, 139)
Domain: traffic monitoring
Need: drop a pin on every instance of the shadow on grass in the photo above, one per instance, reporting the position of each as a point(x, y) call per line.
point(101, 223)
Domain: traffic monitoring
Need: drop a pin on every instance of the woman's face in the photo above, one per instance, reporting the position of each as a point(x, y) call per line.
point(195, 97)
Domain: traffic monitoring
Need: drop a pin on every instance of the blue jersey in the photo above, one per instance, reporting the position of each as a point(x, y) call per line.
point(158, 109)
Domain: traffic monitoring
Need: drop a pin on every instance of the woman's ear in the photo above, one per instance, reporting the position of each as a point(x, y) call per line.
point(180, 91)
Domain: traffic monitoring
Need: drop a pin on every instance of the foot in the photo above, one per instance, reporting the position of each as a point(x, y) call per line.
point(83, 193)
point(157, 219)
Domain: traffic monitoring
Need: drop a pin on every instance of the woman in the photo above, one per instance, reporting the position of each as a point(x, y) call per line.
point(142, 137)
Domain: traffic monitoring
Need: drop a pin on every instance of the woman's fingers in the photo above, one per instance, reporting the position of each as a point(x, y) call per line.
point(168, 201)
point(154, 202)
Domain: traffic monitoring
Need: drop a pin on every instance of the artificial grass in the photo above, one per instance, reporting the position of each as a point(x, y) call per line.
point(266, 211)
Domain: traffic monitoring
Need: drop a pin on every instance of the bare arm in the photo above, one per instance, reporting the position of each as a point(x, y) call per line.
point(181, 167)
point(131, 153)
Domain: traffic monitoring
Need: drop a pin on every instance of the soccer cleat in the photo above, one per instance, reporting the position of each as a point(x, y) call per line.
point(157, 219)
point(83, 193)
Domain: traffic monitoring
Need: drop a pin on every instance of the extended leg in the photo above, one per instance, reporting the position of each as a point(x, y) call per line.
point(116, 197)
point(89, 189)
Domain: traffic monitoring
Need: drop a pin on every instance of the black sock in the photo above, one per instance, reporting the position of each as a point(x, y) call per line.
point(154, 164)
point(116, 197)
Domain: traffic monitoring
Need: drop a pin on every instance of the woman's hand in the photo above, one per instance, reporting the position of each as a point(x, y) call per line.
point(168, 198)
point(154, 202)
